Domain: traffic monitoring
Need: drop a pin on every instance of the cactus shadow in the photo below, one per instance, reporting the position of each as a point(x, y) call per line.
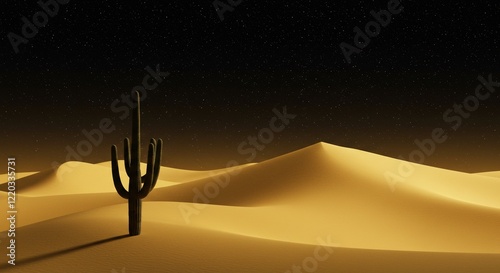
point(54, 254)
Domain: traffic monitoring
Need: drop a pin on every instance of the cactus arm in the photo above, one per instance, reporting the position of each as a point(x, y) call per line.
point(149, 170)
point(155, 170)
point(159, 146)
point(148, 181)
point(116, 174)
point(126, 149)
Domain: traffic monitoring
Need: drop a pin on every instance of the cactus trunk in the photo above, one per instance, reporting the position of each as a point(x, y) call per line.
point(134, 216)
point(134, 203)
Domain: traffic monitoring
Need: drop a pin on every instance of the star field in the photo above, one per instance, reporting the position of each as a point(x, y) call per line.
point(227, 76)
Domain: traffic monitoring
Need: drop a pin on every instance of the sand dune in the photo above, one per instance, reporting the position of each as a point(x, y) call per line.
point(495, 174)
point(264, 217)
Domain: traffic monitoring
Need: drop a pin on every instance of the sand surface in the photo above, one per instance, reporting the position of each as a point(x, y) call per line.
point(323, 208)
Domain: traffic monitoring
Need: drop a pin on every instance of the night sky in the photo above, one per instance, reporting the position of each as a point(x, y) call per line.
point(226, 77)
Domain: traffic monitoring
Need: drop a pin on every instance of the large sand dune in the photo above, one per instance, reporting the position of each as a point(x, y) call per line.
point(323, 208)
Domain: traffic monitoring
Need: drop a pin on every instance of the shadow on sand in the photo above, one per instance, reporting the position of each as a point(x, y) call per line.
point(37, 258)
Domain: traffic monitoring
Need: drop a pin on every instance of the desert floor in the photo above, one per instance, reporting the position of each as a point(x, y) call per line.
point(323, 208)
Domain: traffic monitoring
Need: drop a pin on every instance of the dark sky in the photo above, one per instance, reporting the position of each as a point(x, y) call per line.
point(226, 77)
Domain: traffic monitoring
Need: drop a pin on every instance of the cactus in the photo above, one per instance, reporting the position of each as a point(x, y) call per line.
point(139, 186)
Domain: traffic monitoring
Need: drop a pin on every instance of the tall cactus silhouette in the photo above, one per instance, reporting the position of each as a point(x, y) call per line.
point(139, 186)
